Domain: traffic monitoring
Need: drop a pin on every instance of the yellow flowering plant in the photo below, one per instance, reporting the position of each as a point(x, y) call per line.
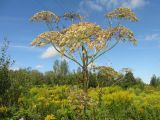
point(50, 117)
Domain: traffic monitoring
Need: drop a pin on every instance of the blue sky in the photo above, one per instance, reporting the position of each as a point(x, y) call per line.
point(143, 59)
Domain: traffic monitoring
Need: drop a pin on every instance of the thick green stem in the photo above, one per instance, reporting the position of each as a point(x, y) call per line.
point(85, 69)
point(85, 77)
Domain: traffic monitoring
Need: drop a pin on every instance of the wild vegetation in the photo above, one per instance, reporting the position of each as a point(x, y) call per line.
point(88, 93)
point(59, 94)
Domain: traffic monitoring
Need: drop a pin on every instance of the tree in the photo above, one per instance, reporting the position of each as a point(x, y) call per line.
point(56, 67)
point(106, 76)
point(129, 80)
point(5, 64)
point(50, 78)
point(64, 68)
point(139, 83)
point(154, 81)
point(86, 39)
point(61, 68)
point(37, 78)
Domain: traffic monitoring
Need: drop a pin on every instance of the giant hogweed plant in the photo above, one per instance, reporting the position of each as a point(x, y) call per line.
point(84, 42)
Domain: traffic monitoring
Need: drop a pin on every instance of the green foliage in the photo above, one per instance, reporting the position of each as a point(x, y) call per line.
point(128, 80)
point(61, 69)
point(155, 81)
point(106, 76)
point(5, 82)
point(58, 94)
point(34, 95)
point(68, 103)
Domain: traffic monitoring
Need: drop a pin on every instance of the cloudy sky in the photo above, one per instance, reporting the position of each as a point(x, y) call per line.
point(144, 59)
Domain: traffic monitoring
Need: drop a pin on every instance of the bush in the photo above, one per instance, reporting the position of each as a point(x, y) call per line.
point(67, 103)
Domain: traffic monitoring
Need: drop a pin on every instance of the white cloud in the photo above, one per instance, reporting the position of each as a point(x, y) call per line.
point(20, 46)
point(14, 68)
point(89, 4)
point(28, 48)
point(50, 52)
point(39, 66)
point(151, 37)
point(99, 5)
point(126, 70)
point(135, 3)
